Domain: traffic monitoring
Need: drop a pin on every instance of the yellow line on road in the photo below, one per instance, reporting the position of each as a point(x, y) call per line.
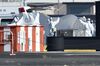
point(79, 50)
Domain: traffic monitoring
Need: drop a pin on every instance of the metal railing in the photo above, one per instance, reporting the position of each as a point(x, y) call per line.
point(12, 39)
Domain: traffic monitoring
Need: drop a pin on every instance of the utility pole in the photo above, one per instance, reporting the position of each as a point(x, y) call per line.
point(73, 0)
point(23, 3)
point(58, 6)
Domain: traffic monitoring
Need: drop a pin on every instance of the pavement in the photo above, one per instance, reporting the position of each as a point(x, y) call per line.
point(51, 59)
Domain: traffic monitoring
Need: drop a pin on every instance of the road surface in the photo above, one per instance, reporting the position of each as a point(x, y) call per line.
point(51, 59)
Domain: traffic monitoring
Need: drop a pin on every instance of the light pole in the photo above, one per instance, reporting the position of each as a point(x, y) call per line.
point(58, 6)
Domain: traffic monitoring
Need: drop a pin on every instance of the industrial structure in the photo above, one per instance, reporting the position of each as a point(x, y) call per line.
point(29, 29)
point(21, 38)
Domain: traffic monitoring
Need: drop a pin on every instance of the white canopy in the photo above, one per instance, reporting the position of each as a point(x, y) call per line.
point(69, 22)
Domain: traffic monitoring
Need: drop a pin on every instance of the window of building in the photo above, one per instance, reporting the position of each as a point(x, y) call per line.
point(80, 9)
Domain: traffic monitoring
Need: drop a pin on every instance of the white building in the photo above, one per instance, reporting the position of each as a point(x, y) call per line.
point(9, 7)
point(63, 9)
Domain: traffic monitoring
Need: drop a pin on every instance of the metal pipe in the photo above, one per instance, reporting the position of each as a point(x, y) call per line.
point(12, 47)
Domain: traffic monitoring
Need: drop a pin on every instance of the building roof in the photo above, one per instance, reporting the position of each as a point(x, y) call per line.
point(78, 2)
point(41, 4)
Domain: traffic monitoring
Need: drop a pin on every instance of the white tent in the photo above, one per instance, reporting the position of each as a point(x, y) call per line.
point(66, 22)
point(71, 22)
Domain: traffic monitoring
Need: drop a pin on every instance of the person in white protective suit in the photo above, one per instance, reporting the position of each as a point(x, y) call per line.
point(88, 29)
point(92, 29)
point(53, 24)
point(23, 19)
point(34, 17)
point(26, 18)
point(36, 20)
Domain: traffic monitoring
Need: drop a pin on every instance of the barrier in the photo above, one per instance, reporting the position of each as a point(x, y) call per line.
point(55, 44)
point(26, 38)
